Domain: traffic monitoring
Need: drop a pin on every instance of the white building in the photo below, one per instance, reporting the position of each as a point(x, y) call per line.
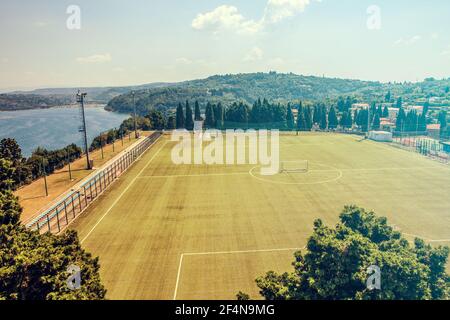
point(381, 136)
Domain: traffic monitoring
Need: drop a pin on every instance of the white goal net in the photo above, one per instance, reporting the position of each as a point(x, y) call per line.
point(294, 166)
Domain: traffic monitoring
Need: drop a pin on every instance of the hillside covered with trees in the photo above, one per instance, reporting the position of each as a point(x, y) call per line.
point(277, 88)
point(11, 102)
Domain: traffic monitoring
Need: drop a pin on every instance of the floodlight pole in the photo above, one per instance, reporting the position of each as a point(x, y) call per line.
point(134, 111)
point(80, 99)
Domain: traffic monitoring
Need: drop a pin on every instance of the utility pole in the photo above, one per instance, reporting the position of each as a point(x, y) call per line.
point(368, 121)
point(70, 168)
point(45, 177)
point(80, 99)
point(134, 110)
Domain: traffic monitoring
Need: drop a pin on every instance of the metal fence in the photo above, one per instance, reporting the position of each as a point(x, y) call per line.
point(427, 146)
point(61, 214)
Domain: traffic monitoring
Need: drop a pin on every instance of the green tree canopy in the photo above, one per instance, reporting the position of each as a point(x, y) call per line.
point(337, 259)
point(209, 116)
point(157, 119)
point(197, 114)
point(332, 118)
point(35, 267)
point(189, 117)
point(290, 118)
point(180, 117)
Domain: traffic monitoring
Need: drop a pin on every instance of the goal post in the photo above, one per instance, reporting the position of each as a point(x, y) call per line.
point(299, 166)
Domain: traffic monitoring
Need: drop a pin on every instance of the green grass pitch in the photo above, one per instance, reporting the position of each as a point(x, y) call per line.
point(166, 231)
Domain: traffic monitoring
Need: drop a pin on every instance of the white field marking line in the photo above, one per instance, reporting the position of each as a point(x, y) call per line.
point(339, 176)
point(197, 175)
point(77, 185)
point(124, 191)
point(178, 277)
point(221, 252)
point(318, 170)
point(121, 174)
point(382, 169)
point(396, 228)
point(424, 238)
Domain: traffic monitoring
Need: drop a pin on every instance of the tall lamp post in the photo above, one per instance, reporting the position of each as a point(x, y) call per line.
point(80, 99)
point(134, 111)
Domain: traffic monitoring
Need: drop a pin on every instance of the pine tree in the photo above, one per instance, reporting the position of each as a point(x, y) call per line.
point(332, 119)
point(308, 118)
point(442, 118)
point(197, 115)
point(348, 103)
point(386, 112)
point(388, 96)
point(399, 102)
point(341, 104)
point(346, 120)
point(209, 116)
point(323, 118)
point(218, 116)
point(376, 122)
point(399, 123)
point(290, 121)
point(301, 123)
point(380, 111)
point(423, 122)
point(317, 114)
point(189, 119)
point(180, 121)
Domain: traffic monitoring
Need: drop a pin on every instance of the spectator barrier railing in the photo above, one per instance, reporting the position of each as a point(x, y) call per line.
point(71, 206)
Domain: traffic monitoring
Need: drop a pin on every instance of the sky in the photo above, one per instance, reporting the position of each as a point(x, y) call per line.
point(78, 43)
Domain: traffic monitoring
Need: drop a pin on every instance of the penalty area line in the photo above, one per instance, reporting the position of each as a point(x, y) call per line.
point(123, 192)
point(424, 238)
point(196, 175)
point(180, 264)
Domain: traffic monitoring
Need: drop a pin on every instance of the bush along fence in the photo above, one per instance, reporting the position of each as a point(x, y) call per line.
point(62, 213)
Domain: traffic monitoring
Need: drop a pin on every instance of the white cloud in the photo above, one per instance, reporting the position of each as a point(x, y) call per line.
point(96, 58)
point(225, 18)
point(408, 41)
point(229, 18)
point(183, 60)
point(435, 36)
point(254, 54)
point(277, 10)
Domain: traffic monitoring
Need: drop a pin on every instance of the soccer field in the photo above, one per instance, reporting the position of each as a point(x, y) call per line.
point(166, 231)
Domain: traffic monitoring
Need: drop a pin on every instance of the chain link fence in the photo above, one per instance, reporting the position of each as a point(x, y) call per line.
point(61, 214)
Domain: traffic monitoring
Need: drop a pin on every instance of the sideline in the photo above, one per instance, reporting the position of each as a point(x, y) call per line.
point(123, 192)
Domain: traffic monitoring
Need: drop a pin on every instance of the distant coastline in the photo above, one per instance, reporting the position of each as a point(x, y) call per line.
point(65, 106)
